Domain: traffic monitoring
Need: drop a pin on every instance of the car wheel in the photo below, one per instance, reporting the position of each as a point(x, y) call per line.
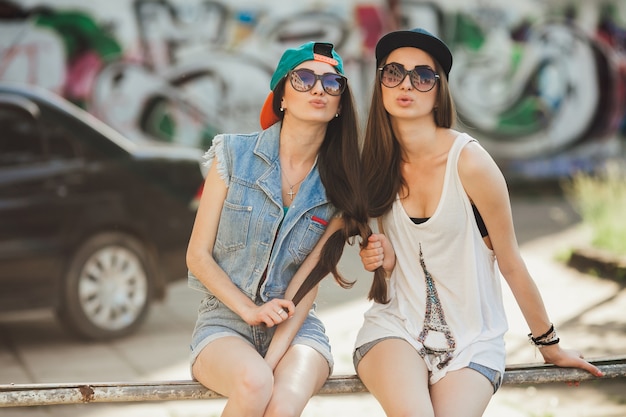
point(108, 288)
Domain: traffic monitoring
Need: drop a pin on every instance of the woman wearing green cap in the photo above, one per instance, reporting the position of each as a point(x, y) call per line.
point(432, 344)
point(272, 202)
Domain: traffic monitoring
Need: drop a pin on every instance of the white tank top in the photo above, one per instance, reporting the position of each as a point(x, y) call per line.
point(445, 295)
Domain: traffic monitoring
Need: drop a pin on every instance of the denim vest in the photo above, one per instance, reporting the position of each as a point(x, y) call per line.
point(254, 233)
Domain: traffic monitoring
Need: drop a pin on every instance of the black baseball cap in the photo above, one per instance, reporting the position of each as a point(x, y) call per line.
point(416, 38)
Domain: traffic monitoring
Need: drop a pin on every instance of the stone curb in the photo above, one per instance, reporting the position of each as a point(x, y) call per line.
point(600, 263)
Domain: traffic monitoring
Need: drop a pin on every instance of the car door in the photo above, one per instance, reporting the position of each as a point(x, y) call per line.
point(32, 214)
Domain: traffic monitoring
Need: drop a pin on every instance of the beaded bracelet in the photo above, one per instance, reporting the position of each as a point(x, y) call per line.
point(548, 338)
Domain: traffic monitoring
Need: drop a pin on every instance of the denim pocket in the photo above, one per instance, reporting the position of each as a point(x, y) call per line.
point(309, 234)
point(232, 233)
point(208, 303)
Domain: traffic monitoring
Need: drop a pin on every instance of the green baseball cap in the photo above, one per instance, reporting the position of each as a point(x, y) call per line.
point(292, 57)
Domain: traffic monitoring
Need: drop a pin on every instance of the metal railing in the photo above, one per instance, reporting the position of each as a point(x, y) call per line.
point(25, 395)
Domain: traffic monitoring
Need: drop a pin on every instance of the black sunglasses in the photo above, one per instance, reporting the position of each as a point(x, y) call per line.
point(422, 77)
point(304, 79)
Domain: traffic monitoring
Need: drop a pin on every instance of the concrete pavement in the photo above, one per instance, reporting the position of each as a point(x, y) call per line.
point(588, 313)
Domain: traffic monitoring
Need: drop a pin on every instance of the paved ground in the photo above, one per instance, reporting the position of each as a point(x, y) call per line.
point(588, 312)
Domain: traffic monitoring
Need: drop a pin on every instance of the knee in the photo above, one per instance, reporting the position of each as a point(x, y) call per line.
point(255, 384)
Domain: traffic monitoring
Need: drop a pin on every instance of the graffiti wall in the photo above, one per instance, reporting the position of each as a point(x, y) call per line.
point(541, 84)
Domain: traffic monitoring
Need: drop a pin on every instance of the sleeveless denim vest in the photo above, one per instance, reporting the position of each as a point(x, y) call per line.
point(254, 233)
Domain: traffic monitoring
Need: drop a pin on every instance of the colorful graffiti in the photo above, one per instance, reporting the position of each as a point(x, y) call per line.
point(542, 95)
point(543, 88)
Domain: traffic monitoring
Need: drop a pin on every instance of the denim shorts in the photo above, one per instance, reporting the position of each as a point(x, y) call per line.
point(492, 375)
point(215, 320)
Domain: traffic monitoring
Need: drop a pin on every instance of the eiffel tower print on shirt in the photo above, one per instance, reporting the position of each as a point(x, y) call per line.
point(436, 337)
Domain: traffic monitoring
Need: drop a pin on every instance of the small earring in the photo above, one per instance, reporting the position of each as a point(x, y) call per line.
point(282, 110)
point(336, 114)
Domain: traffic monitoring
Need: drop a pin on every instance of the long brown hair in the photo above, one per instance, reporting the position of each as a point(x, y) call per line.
point(339, 166)
point(381, 158)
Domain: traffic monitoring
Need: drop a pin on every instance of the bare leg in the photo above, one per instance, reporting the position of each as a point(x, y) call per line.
point(397, 376)
point(298, 376)
point(461, 393)
point(232, 367)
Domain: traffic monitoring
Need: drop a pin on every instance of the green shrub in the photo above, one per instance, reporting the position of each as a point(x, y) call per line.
point(600, 199)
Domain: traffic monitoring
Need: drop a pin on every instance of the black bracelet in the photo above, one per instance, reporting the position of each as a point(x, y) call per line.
point(546, 334)
point(551, 342)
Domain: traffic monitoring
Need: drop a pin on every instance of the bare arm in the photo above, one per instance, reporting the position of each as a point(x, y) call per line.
point(286, 332)
point(486, 187)
point(201, 263)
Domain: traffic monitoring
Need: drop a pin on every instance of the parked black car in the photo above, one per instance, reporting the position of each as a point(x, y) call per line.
point(92, 224)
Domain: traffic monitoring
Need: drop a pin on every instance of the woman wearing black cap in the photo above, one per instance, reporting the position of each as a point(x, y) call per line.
point(433, 342)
